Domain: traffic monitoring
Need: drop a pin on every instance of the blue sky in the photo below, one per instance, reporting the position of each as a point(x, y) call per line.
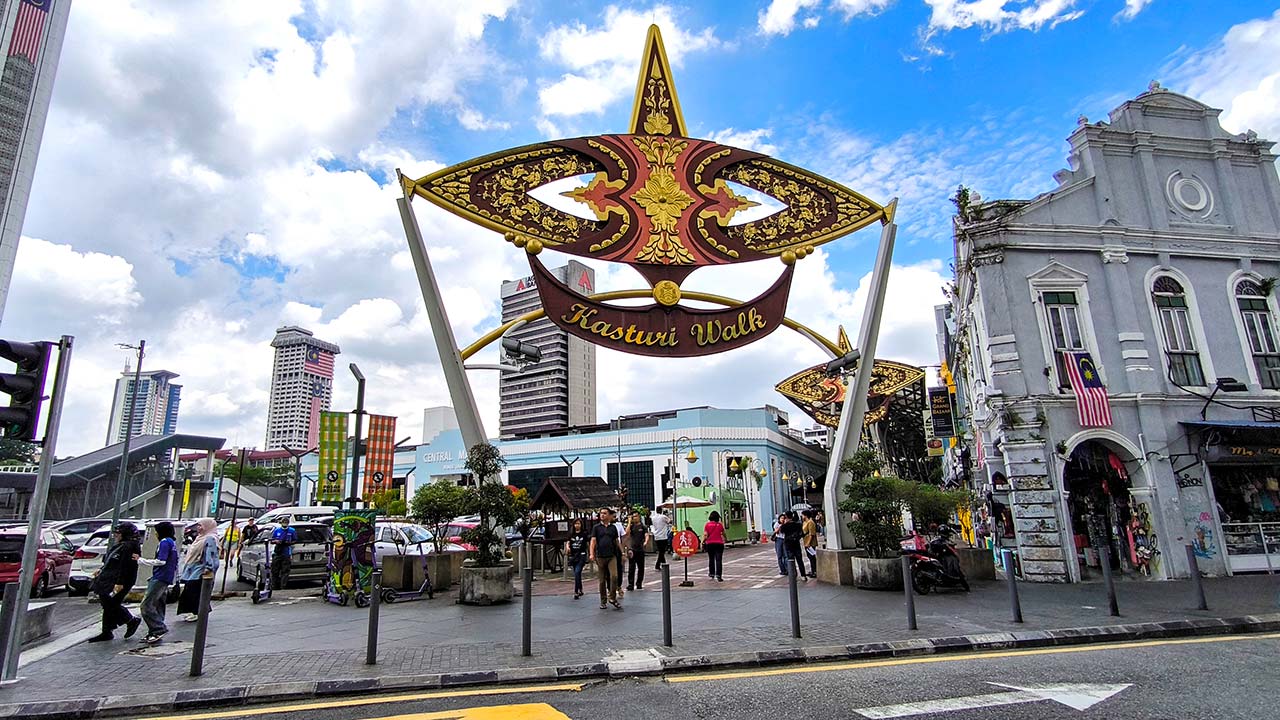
point(232, 159)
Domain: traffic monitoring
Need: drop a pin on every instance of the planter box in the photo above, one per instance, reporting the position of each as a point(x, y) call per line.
point(834, 566)
point(486, 586)
point(440, 565)
point(455, 565)
point(402, 572)
point(977, 563)
point(876, 573)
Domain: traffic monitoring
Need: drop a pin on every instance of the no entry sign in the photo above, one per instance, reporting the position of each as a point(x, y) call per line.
point(685, 544)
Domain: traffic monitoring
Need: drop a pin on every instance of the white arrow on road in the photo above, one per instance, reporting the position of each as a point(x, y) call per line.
point(1074, 695)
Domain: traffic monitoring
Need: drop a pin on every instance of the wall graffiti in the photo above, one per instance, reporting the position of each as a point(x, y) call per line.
point(1202, 539)
point(351, 560)
point(1144, 546)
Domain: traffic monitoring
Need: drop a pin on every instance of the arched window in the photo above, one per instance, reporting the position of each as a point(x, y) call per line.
point(1175, 326)
point(1259, 330)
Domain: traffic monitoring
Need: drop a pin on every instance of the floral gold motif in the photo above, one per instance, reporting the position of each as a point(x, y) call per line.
point(666, 293)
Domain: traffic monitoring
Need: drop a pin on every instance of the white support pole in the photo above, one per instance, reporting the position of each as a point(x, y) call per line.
point(455, 375)
point(849, 435)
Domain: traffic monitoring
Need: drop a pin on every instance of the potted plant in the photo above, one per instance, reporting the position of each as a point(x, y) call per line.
point(435, 505)
point(488, 580)
point(875, 502)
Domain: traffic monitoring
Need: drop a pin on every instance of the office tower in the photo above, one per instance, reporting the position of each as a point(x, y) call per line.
point(560, 390)
point(436, 420)
point(301, 387)
point(156, 411)
point(34, 29)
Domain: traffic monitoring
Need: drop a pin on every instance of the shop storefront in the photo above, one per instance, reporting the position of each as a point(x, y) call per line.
point(1245, 475)
point(1107, 524)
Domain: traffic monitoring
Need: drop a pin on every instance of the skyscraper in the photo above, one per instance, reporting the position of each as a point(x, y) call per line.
point(559, 391)
point(34, 29)
point(156, 411)
point(301, 387)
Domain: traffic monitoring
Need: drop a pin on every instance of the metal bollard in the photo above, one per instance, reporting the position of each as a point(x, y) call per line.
point(7, 612)
point(910, 592)
point(795, 600)
point(1196, 583)
point(1105, 557)
point(526, 629)
point(202, 627)
point(666, 605)
point(1012, 579)
point(375, 601)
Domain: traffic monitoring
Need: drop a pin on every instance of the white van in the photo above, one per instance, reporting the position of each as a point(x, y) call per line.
point(298, 513)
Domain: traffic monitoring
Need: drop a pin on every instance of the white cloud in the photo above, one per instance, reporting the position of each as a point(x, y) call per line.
point(1240, 74)
point(1131, 9)
point(601, 60)
point(999, 15)
point(780, 17)
point(756, 140)
point(59, 278)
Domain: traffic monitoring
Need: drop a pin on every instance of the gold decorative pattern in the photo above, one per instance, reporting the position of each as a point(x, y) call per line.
point(663, 201)
point(821, 395)
point(656, 103)
point(666, 293)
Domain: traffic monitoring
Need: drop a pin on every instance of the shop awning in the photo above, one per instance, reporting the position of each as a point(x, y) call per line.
point(1232, 424)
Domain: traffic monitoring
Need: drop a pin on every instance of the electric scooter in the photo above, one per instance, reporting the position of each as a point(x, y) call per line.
point(390, 595)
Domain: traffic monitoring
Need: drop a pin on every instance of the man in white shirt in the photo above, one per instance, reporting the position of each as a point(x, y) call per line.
point(622, 533)
point(660, 528)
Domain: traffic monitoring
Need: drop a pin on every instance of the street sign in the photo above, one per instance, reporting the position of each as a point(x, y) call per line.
point(685, 543)
point(1077, 696)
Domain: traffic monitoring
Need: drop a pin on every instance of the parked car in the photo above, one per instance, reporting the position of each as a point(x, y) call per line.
point(53, 559)
point(297, 513)
point(310, 553)
point(88, 557)
point(454, 532)
point(401, 538)
point(79, 531)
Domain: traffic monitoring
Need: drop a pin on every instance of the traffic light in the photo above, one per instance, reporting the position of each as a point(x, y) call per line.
point(25, 387)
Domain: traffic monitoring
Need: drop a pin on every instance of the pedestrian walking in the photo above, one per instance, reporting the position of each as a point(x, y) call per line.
point(713, 532)
point(283, 539)
point(604, 551)
point(164, 572)
point(792, 532)
point(779, 547)
point(809, 540)
point(619, 516)
point(637, 537)
point(660, 529)
point(113, 581)
point(201, 562)
point(246, 535)
point(576, 549)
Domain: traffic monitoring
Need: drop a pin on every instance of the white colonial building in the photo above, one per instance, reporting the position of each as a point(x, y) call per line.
point(1158, 255)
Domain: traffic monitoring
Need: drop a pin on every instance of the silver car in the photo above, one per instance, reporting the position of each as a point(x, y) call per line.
point(402, 538)
point(310, 553)
point(79, 531)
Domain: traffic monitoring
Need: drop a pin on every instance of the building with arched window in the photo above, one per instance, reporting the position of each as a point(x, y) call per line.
point(1115, 340)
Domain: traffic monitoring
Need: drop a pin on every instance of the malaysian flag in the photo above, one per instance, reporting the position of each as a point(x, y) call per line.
point(319, 362)
point(29, 28)
point(317, 406)
point(1091, 394)
point(380, 453)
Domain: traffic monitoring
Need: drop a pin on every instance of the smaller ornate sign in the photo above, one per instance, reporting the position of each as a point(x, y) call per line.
point(940, 408)
point(685, 543)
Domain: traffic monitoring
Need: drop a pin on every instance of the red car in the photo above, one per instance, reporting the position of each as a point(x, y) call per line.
point(455, 530)
point(53, 559)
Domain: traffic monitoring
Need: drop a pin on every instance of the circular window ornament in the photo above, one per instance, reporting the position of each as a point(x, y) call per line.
point(1188, 195)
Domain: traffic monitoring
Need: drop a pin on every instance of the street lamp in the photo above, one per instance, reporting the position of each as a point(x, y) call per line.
point(297, 466)
point(757, 471)
point(675, 501)
point(122, 477)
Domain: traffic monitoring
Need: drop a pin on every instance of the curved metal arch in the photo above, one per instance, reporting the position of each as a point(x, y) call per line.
point(829, 347)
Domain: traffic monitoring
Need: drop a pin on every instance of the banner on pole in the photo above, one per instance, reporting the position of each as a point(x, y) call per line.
point(186, 494)
point(380, 453)
point(332, 466)
point(940, 409)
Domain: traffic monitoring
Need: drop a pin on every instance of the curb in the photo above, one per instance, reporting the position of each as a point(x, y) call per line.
point(230, 696)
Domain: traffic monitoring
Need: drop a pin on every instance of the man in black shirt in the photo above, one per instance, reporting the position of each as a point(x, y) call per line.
point(606, 548)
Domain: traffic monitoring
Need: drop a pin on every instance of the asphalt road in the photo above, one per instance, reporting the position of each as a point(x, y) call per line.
point(1219, 677)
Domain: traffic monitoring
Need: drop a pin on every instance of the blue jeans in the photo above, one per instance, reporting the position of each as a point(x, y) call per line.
point(577, 564)
point(781, 552)
point(153, 606)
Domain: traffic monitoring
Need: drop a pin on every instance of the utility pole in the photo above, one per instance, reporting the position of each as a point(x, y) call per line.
point(122, 477)
point(355, 447)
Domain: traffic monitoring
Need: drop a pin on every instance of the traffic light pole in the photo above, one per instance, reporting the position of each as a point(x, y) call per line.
point(35, 518)
point(122, 478)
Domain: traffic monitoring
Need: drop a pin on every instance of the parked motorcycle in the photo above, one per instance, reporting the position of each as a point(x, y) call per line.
point(934, 564)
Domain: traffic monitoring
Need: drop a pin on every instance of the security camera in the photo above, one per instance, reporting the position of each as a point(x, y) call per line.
point(840, 364)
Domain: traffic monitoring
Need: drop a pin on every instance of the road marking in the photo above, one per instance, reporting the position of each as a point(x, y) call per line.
point(531, 711)
point(923, 659)
point(374, 700)
point(1073, 695)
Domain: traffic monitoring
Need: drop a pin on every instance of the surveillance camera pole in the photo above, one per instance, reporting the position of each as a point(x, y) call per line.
point(355, 447)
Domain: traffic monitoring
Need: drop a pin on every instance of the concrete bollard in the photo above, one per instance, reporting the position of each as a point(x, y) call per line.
point(1105, 555)
point(375, 601)
point(1014, 603)
point(10, 608)
point(202, 627)
point(795, 600)
point(1196, 583)
point(909, 591)
point(666, 605)
point(526, 625)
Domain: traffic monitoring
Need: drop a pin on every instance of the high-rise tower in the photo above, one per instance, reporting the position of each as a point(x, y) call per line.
point(559, 391)
point(154, 413)
point(301, 387)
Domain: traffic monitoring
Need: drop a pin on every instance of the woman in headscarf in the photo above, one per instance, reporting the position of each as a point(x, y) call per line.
point(115, 579)
point(201, 562)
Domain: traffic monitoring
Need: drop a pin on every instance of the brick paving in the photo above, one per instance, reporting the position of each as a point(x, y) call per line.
point(302, 639)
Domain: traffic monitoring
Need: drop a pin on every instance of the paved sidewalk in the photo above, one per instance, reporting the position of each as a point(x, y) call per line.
point(302, 646)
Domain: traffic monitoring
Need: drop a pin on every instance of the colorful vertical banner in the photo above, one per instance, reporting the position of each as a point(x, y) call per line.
point(186, 494)
point(333, 457)
point(352, 561)
point(380, 453)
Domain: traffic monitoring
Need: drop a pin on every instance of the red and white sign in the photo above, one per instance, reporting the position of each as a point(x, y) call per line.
point(685, 543)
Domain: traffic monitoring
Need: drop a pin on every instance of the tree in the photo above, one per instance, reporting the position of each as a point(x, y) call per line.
point(17, 452)
point(388, 502)
point(435, 505)
point(492, 501)
point(876, 502)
